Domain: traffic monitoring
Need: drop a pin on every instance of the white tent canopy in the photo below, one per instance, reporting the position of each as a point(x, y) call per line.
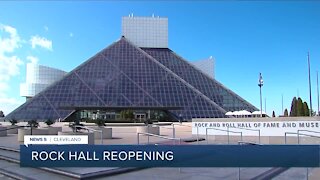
point(239, 113)
point(257, 112)
point(245, 112)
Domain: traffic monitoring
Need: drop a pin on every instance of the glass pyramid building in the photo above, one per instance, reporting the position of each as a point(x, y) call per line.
point(125, 75)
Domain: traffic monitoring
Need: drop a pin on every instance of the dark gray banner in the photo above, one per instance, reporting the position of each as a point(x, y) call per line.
point(169, 156)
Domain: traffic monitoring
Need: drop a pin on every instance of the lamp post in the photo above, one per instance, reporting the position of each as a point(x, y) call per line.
point(260, 84)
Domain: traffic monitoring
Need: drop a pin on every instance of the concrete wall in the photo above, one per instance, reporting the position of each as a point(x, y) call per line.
point(316, 118)
point(220, 137)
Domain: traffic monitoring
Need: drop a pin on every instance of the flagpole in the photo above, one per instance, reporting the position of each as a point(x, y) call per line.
point(309, 84)
point(318, 93)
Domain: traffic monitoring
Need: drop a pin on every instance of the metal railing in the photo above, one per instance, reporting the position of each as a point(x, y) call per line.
point(191, 130)
point(93, 130)
point(248, 143)
point(228, 133)
point(17, 127)
point(173, 129)
point(244, 143)
point(301, 130)
point(298, 136)
point(158, 136)
point(257, 130)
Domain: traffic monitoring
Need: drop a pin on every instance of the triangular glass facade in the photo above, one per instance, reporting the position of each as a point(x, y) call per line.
point(224, 97)
point(124, 75)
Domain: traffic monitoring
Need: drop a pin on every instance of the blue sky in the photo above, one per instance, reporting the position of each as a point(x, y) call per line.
point(245, 38)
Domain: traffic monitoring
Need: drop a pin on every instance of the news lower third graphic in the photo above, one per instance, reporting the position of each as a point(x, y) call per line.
point(58, 154)
point(54, 139)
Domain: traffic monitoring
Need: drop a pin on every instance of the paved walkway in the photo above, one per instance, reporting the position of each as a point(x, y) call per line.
point(127, 135)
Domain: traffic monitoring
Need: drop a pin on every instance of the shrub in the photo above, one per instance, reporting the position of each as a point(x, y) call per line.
point(100, 122)
point(75, 126)
point(49, 122)
point(33, 123)
point(13, 122)
point(148, 121)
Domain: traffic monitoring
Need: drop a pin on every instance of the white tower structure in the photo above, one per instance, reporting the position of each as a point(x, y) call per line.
point(146, 31)
point(38, 77)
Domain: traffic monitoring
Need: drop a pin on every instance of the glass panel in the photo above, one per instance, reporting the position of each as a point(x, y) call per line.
point(121, 75)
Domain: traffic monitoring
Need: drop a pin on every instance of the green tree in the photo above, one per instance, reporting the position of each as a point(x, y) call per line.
point(163, 116)
point(306, 109)
point(300, 109)
point(100, 122)
point(130, 114)
point(122, 114)
point(286, 113)
point(273, 114)
point(127, 114)
point(33, 123)
point(293, 111)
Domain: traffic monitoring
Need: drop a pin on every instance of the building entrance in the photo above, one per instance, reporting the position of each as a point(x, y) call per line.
point(140, 116)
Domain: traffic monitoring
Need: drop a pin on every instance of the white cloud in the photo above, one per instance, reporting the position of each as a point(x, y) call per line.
point(10, 101)
point(4, 87)
point(9, 65)
point(10, 43)
point(33, 59)
point(9, 104)
point(46, 28)
point(41, 42)
point(71, 34)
